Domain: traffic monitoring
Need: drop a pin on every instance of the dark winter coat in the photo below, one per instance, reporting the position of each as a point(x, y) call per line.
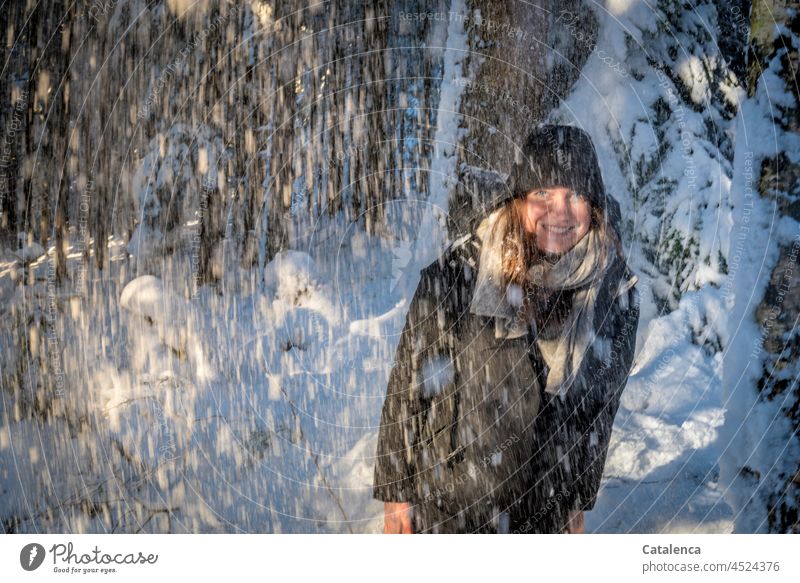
point(468, 435)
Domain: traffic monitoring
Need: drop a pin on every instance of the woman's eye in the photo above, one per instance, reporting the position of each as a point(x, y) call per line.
point(541, 193)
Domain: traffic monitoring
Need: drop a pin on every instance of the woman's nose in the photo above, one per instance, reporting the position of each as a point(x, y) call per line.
point(557, 205)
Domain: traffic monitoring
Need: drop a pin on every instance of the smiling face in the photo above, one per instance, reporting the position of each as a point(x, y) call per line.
point(557, 216)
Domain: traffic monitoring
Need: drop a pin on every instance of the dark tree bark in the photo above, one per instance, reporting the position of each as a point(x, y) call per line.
point(514, 88)
point(60, 121)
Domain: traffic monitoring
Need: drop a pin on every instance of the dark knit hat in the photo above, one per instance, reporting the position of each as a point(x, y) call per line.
point(552, 155)
point(557, 155)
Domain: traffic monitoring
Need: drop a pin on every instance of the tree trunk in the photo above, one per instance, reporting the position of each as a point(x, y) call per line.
point(516, 82)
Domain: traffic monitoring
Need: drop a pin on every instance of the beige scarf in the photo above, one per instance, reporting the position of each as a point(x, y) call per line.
point(582, 269)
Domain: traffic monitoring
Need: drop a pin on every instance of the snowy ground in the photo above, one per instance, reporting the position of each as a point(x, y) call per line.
point(258, 412)
point(663, 466)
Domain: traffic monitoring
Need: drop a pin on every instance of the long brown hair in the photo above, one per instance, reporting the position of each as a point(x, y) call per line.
point(520, 253)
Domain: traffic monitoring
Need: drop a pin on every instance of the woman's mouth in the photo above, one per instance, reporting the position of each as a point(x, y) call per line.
point(558, 230)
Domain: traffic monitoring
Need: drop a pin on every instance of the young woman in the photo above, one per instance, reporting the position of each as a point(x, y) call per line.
point(515, 351)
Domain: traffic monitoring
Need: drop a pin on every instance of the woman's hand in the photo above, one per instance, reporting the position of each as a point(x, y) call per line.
point(575, 524)
point(397, 518)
